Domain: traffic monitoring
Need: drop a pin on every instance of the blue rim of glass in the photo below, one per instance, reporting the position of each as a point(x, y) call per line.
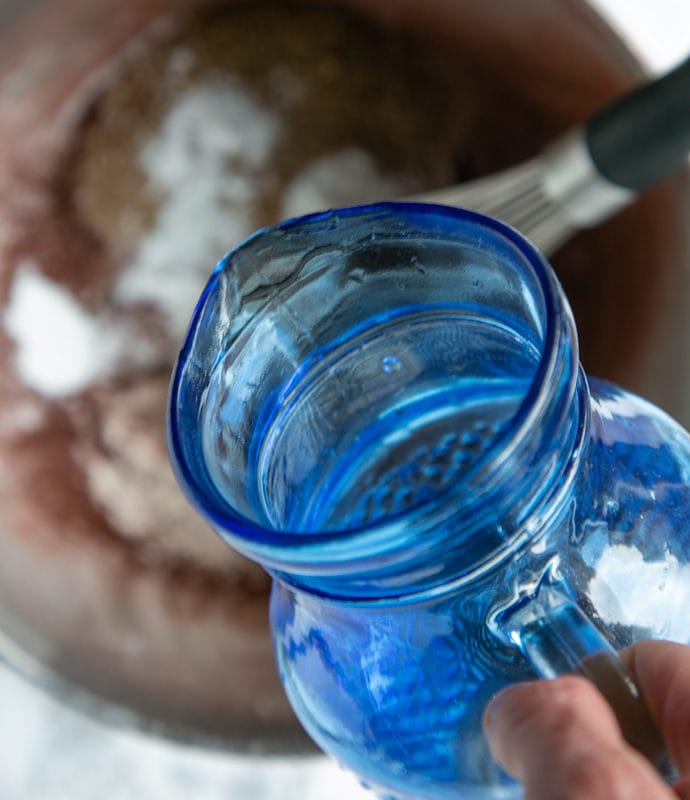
point(276, 548)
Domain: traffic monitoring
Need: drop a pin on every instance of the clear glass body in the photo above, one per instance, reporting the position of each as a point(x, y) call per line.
point(384, 407)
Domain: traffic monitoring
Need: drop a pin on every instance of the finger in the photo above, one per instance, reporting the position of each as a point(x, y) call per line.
point(662, 673)
point(561, 740)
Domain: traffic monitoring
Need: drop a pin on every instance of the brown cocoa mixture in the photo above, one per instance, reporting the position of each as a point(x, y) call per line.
point(334, 81)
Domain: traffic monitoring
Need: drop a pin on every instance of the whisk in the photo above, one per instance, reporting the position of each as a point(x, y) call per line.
point(592, 171)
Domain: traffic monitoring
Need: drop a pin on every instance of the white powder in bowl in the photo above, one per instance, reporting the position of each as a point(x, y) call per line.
point(209, 162)
point(205, 161)
point(61, 348)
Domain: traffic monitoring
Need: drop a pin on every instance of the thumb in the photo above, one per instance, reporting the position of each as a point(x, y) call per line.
point(561, 739)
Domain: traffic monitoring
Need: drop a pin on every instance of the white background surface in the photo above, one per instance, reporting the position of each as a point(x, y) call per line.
point(48, 752)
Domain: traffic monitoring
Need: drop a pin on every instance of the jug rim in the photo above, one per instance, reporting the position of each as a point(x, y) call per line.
point(327, 552)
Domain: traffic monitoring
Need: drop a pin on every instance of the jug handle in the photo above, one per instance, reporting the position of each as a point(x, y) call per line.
point(557, 638)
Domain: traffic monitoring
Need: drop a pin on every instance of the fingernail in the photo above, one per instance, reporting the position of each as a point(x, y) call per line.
point(493, 709)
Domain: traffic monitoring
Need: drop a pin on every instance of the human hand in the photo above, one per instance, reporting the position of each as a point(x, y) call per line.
point(562, 741)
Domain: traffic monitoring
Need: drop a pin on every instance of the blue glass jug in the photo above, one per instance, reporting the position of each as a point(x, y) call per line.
point(384, 407)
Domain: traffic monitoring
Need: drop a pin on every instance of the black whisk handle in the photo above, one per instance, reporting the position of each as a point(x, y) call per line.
point(645, 136)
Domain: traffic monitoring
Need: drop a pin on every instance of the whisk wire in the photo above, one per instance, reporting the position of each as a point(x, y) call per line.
point(517, 197)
